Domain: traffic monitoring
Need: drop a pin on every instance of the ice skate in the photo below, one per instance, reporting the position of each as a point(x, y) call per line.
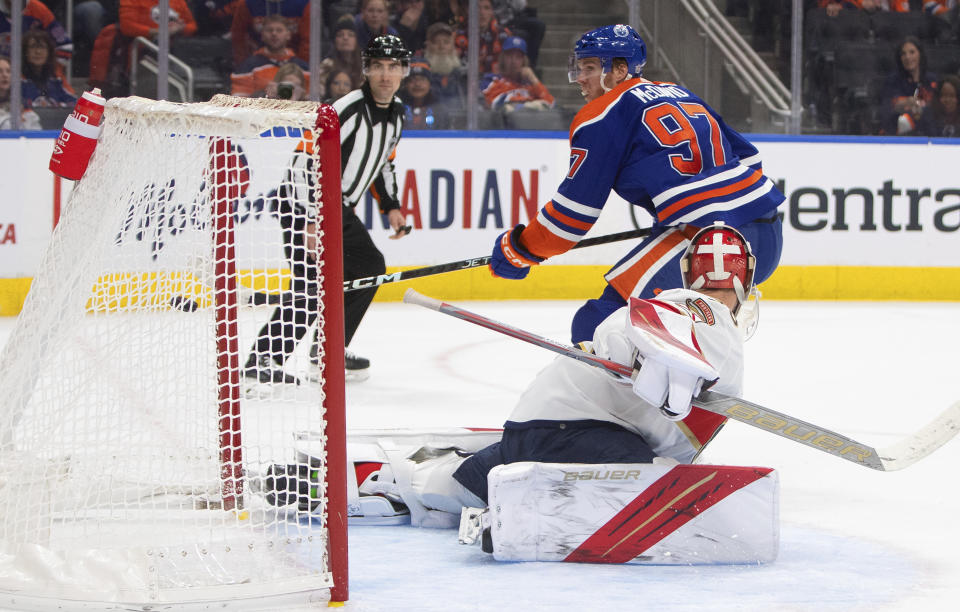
point(357, 368)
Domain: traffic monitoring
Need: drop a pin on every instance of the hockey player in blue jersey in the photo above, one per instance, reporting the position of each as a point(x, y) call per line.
point(659, 147)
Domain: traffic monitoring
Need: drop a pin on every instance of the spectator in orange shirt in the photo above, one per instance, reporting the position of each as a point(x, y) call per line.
point(258, 70)
point(140, 18)
point(932, 7)
point(248, 22)
point(492, 35)
point(516, 86)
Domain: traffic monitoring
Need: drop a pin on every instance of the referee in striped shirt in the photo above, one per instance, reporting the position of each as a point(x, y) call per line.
point(371, 119)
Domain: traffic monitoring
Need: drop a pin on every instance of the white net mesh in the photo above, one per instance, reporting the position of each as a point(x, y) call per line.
point(145, 400)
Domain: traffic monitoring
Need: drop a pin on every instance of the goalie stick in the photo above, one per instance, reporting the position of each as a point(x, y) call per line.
point(368, 282)
point(902, 454)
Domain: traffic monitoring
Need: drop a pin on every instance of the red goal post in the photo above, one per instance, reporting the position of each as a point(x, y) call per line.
point(131, 430)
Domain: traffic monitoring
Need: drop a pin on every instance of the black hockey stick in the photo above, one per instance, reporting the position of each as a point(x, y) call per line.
point(259, 298)
point(904, 453)
point(475, 262)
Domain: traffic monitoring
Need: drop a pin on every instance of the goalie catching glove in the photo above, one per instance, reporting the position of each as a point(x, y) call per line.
point(673, 370)
point(509, 258)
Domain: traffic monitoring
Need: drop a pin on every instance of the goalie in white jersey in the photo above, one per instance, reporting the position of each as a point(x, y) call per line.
point(681, 342)
point(573, 413)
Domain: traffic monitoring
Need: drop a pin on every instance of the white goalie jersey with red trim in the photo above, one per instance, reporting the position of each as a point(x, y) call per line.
point(570, 390)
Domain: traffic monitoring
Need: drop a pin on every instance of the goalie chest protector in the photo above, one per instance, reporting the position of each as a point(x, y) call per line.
point(634, 513)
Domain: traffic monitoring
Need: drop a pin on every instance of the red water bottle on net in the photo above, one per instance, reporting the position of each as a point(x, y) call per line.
point(78, 138)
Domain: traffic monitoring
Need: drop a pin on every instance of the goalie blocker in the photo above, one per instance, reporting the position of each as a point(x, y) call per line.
point(660, 513)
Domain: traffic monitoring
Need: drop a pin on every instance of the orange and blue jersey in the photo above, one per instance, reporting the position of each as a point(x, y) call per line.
point(37, 16)
point(933, 7)
point(138, 17)
point(253, 75)
point(659, 147)
point(248, 22)
point(499, 91)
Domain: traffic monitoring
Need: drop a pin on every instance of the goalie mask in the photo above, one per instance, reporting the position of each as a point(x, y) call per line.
point(606, 44)
point(719, 257)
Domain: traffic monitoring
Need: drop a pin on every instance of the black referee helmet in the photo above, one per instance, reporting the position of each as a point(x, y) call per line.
point(390, 47)
point(387, 46)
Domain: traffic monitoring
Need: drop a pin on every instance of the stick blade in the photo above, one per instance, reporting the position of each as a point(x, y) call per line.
point(929, 438)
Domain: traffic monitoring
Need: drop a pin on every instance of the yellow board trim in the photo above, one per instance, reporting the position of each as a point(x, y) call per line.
point(543, 283)
point(125, 291)
point(155, 290)
point(12, 293)
point(787, 283)
point(863, 283)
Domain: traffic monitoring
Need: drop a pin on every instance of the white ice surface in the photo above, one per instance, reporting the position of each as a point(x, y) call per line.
point(852, 538)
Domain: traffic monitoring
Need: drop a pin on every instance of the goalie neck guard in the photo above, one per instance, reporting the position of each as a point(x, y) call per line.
point(719, 257)
point(607, 43)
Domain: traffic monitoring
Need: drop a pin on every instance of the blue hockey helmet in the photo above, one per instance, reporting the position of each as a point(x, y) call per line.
point(607, 43)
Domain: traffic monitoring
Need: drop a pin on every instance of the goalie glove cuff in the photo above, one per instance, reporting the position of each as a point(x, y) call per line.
point(609, 342)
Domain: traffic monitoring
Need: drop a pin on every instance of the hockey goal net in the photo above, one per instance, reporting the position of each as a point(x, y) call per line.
point(138, 449)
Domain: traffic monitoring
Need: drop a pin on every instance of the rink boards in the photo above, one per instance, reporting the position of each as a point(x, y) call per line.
point(864, 218)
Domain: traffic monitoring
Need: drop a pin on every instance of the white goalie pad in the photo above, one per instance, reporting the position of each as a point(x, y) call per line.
point(634, 513)
point(383, 473)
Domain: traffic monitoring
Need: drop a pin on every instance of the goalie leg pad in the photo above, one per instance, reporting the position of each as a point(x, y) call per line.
point(634, 513)
point(382, 481)
point(432, 479)
point(425, 479)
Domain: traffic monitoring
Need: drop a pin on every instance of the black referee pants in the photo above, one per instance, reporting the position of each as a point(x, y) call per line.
point(290, 321)
point(361, 258)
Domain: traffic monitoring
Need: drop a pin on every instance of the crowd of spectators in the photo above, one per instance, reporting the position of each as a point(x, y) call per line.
point(264, 37)
point(423, 108)
point(43, 83)
point(45, 48)
point(515, 85)
point(870, 66)
point(29, 120)
point(256, 71)
point(883, 66)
